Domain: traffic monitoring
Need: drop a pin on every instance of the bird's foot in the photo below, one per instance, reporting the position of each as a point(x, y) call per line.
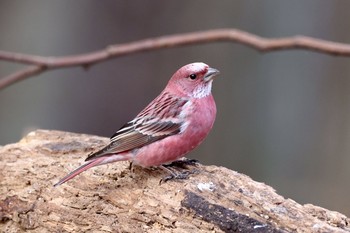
point(176, 174)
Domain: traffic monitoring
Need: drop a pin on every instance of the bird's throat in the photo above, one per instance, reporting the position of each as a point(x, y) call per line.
point(202, 90)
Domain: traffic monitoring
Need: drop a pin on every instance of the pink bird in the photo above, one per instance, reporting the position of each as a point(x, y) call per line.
point(172, 125)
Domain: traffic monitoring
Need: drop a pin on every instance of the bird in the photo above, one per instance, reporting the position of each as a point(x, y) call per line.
point(171, 126)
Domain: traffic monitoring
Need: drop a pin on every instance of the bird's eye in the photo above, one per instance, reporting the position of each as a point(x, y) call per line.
point(193, 76)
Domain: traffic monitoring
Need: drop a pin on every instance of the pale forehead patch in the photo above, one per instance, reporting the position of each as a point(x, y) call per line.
point(197, 66)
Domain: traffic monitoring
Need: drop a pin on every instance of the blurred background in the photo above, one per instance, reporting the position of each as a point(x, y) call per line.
point(283, 117)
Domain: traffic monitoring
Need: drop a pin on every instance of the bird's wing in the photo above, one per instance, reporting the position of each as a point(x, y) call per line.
point(155, 122)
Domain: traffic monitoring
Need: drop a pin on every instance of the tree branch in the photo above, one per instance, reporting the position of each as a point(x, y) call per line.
point(20, 75)
point(42, 64)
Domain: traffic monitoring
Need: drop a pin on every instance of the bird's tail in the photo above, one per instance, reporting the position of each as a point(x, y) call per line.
point(92, 163)
point(79, 170)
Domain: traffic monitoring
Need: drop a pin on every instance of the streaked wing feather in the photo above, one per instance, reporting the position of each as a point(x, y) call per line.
point(157, 121)
point(137, 137)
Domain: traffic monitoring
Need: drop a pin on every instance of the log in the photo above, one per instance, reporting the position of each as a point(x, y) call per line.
point(115, 198)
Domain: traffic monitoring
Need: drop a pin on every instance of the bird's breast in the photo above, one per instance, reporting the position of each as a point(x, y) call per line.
point(197, 117)
point(200, 115)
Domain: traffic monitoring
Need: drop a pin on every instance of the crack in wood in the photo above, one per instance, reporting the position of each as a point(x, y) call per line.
point(226, 219)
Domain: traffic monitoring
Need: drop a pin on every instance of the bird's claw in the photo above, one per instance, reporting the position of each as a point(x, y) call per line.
point(176, 175)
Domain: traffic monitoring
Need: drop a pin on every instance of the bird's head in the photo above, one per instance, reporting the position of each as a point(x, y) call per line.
point(193, 80)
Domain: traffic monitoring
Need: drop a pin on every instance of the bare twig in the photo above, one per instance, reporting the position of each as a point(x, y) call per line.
point(230, 35)
point(20, 75)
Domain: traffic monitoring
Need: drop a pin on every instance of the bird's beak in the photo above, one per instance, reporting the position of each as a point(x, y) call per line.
point(211, 73)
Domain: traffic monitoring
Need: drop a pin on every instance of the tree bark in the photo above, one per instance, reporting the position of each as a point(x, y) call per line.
point(113, 198)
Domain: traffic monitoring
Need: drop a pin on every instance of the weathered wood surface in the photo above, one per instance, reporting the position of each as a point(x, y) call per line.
point(111, 198)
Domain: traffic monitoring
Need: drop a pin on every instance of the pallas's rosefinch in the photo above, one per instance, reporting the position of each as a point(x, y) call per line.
point(172, 125)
